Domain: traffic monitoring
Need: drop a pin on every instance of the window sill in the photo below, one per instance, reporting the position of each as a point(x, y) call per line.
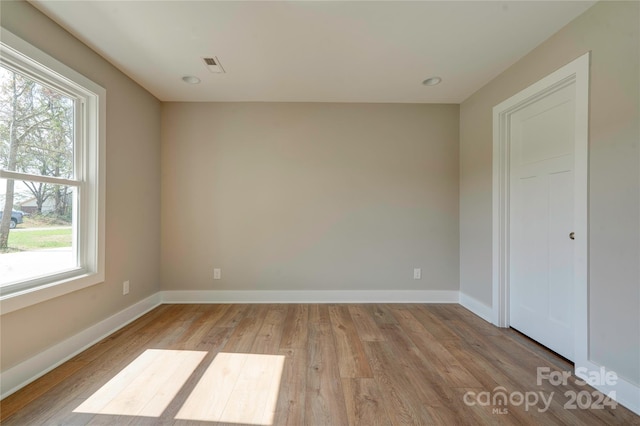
point(22, 299)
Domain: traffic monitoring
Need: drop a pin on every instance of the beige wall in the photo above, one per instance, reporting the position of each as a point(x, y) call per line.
point(610, 31)
point(133, 197)
point(309, 196)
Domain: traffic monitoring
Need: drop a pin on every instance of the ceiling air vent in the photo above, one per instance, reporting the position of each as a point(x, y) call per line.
point(213, 64)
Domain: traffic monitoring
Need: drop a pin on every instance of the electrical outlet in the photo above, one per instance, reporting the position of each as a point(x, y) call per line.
point(417, 273)
point(125, 288)
point(217, 273)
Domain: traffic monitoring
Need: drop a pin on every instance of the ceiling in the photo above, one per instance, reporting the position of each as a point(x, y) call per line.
point(313, 51)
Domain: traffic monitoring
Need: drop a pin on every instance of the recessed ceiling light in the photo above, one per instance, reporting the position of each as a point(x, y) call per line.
point(191, 79)
point(432, 81)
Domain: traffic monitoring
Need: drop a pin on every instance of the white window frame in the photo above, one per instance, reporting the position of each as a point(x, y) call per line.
point(89, 178)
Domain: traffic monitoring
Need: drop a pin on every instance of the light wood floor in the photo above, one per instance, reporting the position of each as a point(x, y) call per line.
point(373, 364)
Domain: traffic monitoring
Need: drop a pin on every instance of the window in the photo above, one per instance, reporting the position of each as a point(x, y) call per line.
point(51, 177)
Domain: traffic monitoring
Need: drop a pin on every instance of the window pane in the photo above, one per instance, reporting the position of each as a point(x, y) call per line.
point(36, 127)
point(41, 231)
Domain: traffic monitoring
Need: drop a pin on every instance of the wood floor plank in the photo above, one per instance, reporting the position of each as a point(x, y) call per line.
point(381, 313)
point(290, 410)
point(402, 405)
point(196, 328)
point(66, 416)
point(129, 393)
point(432, 323)
point(222, 375)
point(324, 401)
point(352, 361)
point(422, 361)
point(446, 365)
point(367, 328)
point(232, 315)
point(269, 335)
point(255, 394)
point(421, 377)
point(212, 343)
point(245, 331)
point(318, 314)
point(365, 405)
point(296, 331)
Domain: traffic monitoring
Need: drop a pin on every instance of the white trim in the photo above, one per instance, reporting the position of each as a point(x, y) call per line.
point(310, 296)
point(576, 73)
point(581, 204)
point(31, 296)
point(626, 393)
point(4, 174)
point(37, 366)
point(477, 307)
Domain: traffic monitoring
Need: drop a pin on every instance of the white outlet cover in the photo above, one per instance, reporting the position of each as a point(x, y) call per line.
point(417, 273)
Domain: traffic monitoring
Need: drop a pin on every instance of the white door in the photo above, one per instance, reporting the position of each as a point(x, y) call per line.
point(541, 219)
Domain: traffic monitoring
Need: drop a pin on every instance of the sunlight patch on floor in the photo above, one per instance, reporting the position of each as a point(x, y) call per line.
point(146, 386)
point(236, 388)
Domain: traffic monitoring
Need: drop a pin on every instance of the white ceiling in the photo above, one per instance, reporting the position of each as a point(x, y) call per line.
point(324, 51)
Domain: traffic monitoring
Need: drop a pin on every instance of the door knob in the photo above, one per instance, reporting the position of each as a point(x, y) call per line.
point(572, 235)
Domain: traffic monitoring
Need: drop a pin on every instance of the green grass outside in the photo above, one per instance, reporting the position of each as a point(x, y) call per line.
point(40, 239)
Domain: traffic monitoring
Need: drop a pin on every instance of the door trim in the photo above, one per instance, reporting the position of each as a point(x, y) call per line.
point(575, 73)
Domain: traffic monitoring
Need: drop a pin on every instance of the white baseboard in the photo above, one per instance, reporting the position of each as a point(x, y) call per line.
point(477, 307)
point(311, 296)
point(37, 366)
point(626, 393)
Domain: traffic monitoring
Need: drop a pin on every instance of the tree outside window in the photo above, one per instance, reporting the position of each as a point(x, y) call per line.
point(36, 139)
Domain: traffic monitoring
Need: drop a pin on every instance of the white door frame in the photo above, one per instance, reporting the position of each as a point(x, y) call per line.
point(576, 73)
